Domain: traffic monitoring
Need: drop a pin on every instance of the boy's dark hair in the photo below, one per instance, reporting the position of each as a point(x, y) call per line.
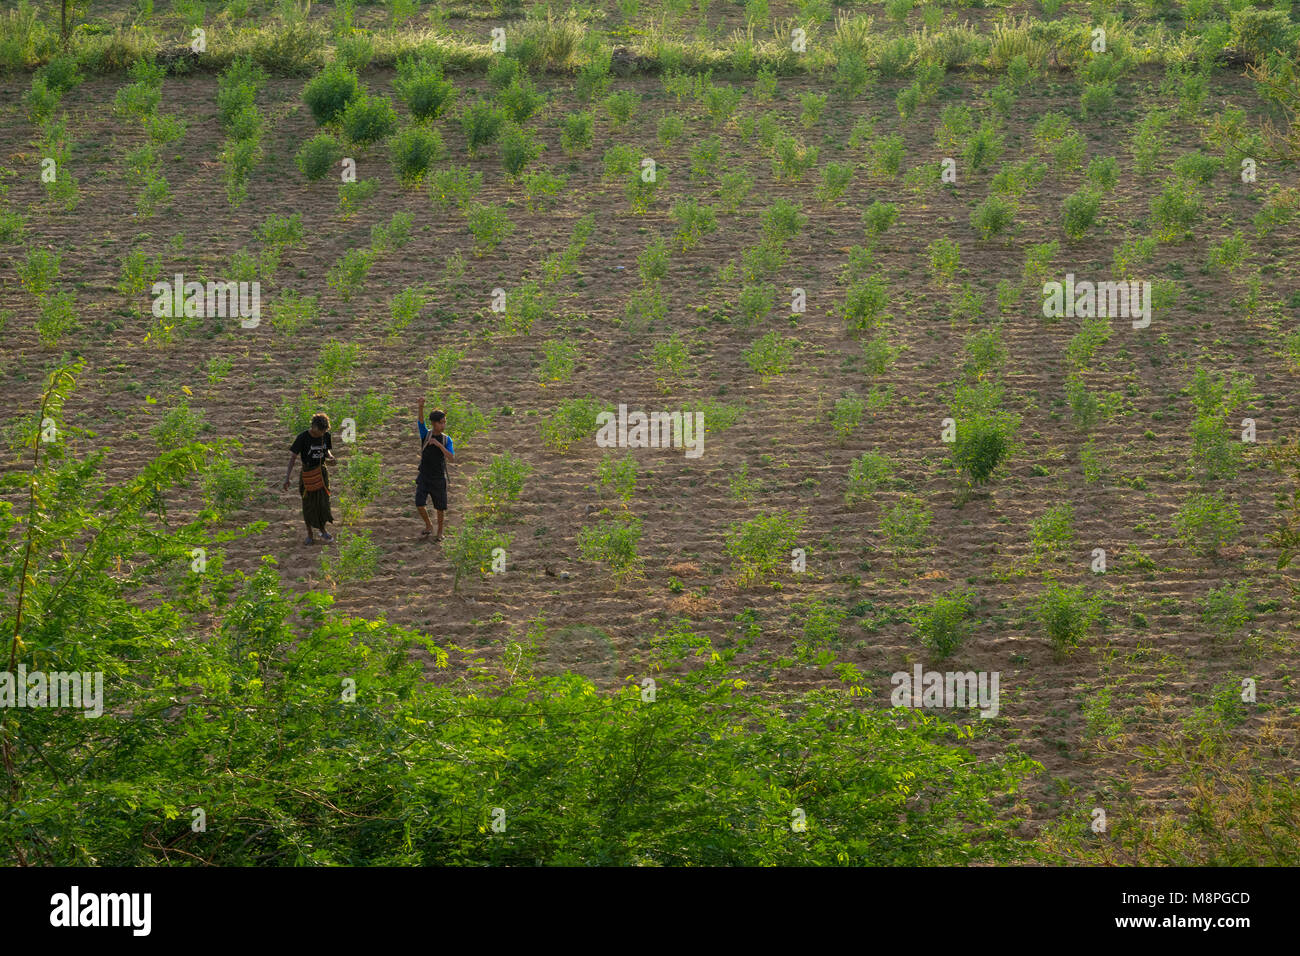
point(436, 416)
point(320, 422)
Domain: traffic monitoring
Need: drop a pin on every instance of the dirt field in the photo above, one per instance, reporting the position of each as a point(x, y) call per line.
point(1151, 652)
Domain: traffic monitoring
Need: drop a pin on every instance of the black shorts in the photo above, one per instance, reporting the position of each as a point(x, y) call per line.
point(437, 487)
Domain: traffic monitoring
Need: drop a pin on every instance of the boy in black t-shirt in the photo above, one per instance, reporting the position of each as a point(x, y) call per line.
point(435, 451)
point(314, 448)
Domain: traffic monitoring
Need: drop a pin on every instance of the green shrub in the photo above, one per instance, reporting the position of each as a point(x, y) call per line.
point(470, 549)
point(770, 355)
point(906, 526)
point(424, 90)
point(1224, 611)
point(1053, 531)
point(993, 216)
point(613, 542)
point(945, 622)
point(329, 93)
point(499, 484)
point(318, 156)
point(847, 415)
point(404, 308)
point(520, 101)
point(369, 119)
point(864, 304)
point(759, 545)
point(618, 476)
point(577, 132)
point(348, 274)
point(669, 358)
point(1067, 614)
point(1207, 522)
point(1103, 172)
point(481, 123)
point(413, 151)
point(984, 441)
point(291, 313)
point(573, 420)
point(867, 472)
point(560, 359)
point(57, 317)
point(878, 217)
point(518, 149)
point(441, 364)
point(489, 225)
point(1079, 212)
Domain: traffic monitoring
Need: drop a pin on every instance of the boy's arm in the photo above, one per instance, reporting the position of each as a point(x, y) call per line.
point(419, 421)
point(447, 448)
point(293, 459)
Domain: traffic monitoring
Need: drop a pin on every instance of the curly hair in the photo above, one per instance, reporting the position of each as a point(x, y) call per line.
point(321, 422)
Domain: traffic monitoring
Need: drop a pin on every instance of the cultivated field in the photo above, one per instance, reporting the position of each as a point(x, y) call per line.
point(833, 238)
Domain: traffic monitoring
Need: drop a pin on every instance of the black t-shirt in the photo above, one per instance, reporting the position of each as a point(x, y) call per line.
point(433, 463)
point(312, 451)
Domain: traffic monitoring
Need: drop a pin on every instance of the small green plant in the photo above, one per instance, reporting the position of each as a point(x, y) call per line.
point(770, 355)
point(291, 312)
point(1079, 212)
point(423, 88)
point(1053, 531)
point(984, 440)
point(1207, 522)
point(577, 132)
point(348, 274)
point(618, 476)
point(669, 357)
point(847, 415)
point(1067, 614)
point(757, 546)
point(441, 365)
point(573, 420)
point(403, 310)
point(560, 358)
point(868, 472)
point(518, 148)
point(945, 622)
point(945, 258)
point(489, 224)
point(499, 484)
point(472, 548)
point(906, 526)
point(481, 122)
point(741, 486)
point(330, 92)
point(318, 156)
point(993, 216)
point(613, 542)
point(1224, 612)
point(412, 151)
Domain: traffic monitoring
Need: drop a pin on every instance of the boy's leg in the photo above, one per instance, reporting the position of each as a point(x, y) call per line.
point(439, 492)
point(310, 529)
point(421, 495)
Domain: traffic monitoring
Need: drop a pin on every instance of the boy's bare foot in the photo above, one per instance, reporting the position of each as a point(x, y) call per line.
point(426, 532)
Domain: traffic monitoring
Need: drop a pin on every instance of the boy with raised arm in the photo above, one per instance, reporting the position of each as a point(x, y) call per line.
point(435, 451)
